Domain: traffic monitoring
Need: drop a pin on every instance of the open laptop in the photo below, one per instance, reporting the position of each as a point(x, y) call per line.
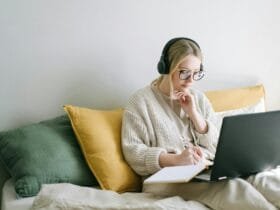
point(248, 144)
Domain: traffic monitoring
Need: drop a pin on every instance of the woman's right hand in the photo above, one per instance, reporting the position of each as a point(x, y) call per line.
point(189, 156)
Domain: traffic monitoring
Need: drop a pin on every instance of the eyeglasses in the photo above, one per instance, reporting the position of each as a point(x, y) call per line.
point(186, 74)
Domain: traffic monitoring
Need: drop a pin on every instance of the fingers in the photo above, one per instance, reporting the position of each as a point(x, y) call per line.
point(181, 95)
point(198, 151)
point(177, 95)
point(196, 158)
point(185, 99)
point(191, 156)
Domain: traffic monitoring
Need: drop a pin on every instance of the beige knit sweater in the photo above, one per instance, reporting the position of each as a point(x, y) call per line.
point(152, 125)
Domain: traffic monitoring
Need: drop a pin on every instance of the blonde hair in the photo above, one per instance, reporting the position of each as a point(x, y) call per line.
point(176, 53)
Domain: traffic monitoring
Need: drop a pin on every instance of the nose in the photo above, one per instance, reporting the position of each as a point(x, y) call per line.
point(187, 82)
point(190, 79)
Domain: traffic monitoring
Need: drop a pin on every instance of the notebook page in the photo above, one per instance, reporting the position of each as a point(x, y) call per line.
point(176, 174)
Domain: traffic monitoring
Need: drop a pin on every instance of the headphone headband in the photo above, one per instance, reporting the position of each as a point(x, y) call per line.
point(163, 64)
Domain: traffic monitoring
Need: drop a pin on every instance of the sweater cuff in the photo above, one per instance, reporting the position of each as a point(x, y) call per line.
point(152, 159)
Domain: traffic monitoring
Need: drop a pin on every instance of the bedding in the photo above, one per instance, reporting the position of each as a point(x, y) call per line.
point(10, 200)
point(73, 197)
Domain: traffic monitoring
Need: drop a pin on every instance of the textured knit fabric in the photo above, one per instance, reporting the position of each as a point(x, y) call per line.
point(152, 125)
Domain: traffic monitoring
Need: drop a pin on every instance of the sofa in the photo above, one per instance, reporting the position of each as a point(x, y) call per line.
point(83, 148)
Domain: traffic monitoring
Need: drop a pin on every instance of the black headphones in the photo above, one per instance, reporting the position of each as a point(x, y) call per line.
point(163, 64)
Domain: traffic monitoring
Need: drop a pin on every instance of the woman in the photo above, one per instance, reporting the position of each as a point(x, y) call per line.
point(169, 123)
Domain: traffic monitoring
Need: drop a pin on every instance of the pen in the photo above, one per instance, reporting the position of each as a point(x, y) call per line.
point(187, 145)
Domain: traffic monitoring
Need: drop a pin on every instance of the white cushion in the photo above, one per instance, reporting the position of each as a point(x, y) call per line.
point(258, 107)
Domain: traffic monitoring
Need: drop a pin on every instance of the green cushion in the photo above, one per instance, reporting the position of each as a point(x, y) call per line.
point(45, 152)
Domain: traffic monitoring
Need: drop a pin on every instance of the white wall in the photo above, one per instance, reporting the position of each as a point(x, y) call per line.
point(96, 53)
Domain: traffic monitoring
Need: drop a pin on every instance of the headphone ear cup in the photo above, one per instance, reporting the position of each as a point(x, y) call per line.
point(161, 67)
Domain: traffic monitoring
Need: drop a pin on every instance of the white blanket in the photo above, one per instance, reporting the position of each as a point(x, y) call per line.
point(70, 197)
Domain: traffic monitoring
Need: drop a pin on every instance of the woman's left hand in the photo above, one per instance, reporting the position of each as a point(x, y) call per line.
point(186, 100)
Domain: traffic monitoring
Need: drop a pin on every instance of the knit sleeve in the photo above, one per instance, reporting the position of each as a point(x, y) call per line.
point(137, 149)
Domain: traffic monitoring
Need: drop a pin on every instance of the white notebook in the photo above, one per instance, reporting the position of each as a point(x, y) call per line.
point(177, 174)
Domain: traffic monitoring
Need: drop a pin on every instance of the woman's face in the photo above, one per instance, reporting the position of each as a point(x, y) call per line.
point(188, 66)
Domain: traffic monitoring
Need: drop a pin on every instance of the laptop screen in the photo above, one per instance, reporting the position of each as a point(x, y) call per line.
point(248, 143)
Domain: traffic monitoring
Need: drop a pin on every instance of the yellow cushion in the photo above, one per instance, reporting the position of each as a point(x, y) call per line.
point(236, 98)
point(99, 136)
